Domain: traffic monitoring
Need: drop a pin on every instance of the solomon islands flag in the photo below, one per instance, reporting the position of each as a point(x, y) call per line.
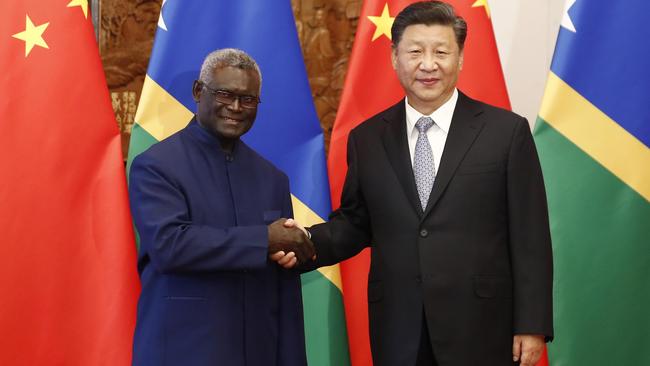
point(593, 136)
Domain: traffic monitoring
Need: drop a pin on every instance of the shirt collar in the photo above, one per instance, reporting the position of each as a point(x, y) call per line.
point(441, 116)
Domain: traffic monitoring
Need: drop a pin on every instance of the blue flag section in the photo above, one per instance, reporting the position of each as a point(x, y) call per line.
point(606, 60)
point(593, 138)
point(286, 131)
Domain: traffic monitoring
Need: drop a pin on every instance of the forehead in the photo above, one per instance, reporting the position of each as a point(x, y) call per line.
point(422, 34)
point(234, 78)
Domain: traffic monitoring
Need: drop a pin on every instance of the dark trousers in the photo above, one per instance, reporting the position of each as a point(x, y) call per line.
point(425, 353)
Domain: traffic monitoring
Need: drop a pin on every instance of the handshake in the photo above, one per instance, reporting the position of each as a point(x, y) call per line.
point(289, 243)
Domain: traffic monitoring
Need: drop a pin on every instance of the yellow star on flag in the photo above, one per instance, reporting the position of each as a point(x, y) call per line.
point(383, 23)
point(82, 3)
point(32, 35)
point(483, 3)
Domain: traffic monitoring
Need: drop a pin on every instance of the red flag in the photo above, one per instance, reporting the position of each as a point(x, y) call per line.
point(371, 86)
point(68, 275)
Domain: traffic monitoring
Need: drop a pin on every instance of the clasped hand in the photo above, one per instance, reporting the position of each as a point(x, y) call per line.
point(288, 243)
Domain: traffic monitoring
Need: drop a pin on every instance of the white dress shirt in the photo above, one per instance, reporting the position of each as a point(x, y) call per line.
point(437, 134)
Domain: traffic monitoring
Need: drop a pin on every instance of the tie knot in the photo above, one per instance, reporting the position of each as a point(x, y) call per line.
point(423, 124)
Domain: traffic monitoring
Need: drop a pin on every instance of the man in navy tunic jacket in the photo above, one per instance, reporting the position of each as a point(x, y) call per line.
point(207, 209)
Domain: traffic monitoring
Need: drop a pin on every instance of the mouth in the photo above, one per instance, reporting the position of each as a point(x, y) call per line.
point(428, 81)
point(231, 120)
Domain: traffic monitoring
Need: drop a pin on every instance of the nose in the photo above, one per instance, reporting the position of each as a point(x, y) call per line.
point(235, 105)
point(428, 62)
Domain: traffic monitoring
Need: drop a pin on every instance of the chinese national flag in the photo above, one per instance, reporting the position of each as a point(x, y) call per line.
point(372, 86)
point(67, 255)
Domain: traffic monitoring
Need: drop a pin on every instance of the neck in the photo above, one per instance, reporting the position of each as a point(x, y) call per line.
point(428, 108)
point(227, 145)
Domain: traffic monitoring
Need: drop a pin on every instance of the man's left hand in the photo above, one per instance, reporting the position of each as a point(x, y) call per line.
point(528, 348)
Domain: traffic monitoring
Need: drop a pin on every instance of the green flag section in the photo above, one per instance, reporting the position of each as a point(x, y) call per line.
point(593, 137)
point(601, 245)
point(286, 130)
point(324, 299)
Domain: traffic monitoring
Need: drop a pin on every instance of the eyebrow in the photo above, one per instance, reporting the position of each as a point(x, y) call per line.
point(421, 42)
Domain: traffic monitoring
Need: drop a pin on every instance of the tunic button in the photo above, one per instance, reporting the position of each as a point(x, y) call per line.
point(424, 233)
point(418, 279)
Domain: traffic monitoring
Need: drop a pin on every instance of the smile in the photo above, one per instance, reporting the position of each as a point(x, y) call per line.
point(229, 119)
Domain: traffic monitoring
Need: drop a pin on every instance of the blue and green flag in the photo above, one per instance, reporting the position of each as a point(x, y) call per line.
point(593, 137)
point(286, 131)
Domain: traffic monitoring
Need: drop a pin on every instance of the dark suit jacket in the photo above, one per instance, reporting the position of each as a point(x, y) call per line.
point(477, 260)
point(209, 294)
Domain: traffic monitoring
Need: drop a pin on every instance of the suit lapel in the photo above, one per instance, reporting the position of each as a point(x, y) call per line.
point(465, 127)
point(397, 149)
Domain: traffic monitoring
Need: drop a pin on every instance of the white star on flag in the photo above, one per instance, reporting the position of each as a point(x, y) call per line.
point(567, 23)
point(161, 21)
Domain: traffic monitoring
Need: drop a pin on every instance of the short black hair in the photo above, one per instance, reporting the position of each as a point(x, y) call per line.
point(429, 13)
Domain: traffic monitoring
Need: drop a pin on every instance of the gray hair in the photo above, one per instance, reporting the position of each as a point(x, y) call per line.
point(227, 57)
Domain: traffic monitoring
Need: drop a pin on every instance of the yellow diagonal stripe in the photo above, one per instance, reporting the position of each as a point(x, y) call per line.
point(159, 113)
point(597, 134)
point(305, 216)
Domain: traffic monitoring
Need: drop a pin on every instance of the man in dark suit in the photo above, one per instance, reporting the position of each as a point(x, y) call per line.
point(206, 207)
point(449, 194)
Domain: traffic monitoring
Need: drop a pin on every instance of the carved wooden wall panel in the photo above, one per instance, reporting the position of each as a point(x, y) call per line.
point(126, 32)
point(326, 30)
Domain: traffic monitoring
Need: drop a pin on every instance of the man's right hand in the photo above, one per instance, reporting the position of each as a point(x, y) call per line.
point(290, 239)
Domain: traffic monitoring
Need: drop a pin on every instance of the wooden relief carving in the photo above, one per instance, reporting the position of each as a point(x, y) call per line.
point(126, 33)
point(326, 30)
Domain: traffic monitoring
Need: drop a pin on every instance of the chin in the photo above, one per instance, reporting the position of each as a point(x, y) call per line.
point(231, 135)
point(428, 98)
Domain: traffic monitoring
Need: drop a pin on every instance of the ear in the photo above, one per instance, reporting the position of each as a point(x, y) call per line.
point(393, 56)
point(196, 90)
point(461, 58)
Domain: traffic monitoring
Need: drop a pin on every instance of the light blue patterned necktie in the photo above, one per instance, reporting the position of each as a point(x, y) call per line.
point(424, 167)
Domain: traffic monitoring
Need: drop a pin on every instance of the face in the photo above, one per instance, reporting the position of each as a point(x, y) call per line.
point(427, 61)
point(227, 121)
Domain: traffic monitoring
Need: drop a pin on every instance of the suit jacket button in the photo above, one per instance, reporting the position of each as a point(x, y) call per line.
point(424, 233)
point(418, 279)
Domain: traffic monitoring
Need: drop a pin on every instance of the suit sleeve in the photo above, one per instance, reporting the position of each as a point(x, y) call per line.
point(172, 242)
point(348, 230)
point(530, 239)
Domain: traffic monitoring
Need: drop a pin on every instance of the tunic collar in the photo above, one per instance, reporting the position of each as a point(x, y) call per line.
point(206, 137)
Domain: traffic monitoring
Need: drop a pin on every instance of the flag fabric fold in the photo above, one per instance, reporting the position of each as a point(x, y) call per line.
point(68, 276)
point(371, 86)
point(593, 137)
point(286, 130)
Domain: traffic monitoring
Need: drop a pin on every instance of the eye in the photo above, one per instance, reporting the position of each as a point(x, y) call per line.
point(415, 52)
point(441, 54)
point(248, 99)
point(223, 94)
